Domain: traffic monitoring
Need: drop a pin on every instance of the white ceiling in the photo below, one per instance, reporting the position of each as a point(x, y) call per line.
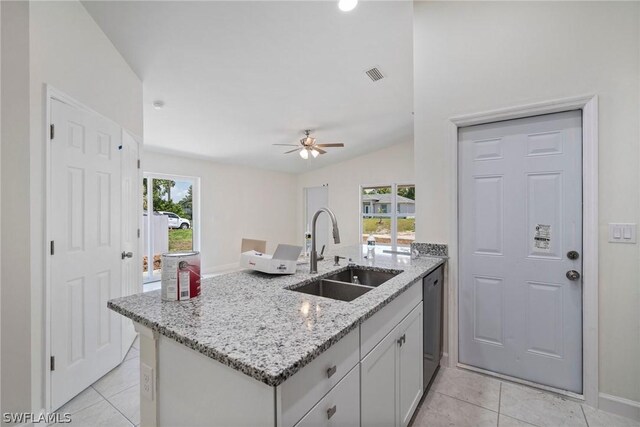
point(237, 76)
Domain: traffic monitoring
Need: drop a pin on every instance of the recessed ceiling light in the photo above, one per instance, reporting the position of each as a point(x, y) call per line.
point(158, 105)
point(347, 5)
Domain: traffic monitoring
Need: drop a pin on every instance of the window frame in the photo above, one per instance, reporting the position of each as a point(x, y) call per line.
point(393, 215)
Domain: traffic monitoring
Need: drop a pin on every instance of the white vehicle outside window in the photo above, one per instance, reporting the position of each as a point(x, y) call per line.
point(176, 222)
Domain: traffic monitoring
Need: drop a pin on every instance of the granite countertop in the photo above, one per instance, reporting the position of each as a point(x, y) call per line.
point(251, 322)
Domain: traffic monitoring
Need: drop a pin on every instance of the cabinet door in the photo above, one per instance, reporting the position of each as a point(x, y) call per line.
point(410, 364)
point(379, 384)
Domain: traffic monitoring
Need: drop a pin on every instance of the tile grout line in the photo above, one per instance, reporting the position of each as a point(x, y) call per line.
point(584, 415)
point(511, 416)
point(464, 401)
point(499, 402)
point(87, 407)
point(114, 407)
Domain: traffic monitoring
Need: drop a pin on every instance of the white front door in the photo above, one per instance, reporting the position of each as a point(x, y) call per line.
point(131, 207)
point(520, 216)
point(85, 261)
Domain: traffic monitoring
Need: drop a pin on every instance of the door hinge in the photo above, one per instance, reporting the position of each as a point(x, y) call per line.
point(138, 163)
point(138, 233)
point(52, 363)
point(52, 248)
point(52, 131)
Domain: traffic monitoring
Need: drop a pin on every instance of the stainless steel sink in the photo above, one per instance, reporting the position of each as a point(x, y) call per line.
point(333, 289)
point(365, 277)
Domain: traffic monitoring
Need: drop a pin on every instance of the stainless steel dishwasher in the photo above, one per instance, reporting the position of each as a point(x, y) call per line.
point(432, 324)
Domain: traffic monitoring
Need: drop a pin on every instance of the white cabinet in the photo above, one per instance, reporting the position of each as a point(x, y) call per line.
point(303, 390)
point(391, 375)
point(410, 365)
point(378, 384)
point(340, 407)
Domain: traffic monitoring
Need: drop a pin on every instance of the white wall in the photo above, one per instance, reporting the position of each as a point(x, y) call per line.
point(477, 56)
point(390, 165)
point(235, 202)
point(16, 319)
point(56, 43)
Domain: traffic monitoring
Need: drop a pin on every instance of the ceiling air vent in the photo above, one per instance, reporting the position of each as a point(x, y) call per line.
point(374, 74)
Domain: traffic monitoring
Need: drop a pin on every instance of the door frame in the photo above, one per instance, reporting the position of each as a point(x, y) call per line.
point(588, 104)
point(50, 94)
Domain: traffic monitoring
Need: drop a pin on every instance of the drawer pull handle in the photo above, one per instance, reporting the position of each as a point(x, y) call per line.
point(402, 340)
point(331, 411)
point(332, 370)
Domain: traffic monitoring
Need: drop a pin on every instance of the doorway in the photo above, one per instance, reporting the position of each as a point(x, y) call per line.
point(86, 233)
point(170, 220)
point(520, 246)
point(316, 198)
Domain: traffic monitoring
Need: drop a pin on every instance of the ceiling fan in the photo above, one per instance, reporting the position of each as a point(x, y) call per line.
point(308, 145)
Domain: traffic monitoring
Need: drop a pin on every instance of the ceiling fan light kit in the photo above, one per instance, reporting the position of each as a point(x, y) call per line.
point(347, 5)
point(308, 145)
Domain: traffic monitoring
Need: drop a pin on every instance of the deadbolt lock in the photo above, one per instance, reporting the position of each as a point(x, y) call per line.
point(573, 255)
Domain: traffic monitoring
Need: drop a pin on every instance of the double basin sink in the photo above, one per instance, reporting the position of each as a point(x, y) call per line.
point(340, 285)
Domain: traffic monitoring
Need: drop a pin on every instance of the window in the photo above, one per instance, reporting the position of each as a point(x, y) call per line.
point(388, 213)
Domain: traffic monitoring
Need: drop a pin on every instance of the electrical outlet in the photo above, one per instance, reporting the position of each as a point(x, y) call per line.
point(147, 381)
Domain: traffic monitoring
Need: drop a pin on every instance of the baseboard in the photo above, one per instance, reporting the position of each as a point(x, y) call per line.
point(619, 406)
point(220, 269)
point(444, 360)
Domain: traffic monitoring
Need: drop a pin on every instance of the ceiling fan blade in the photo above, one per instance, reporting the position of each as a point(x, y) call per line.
point(319, 150)
point(292, 151)
point(336, 144)
point(288, 145)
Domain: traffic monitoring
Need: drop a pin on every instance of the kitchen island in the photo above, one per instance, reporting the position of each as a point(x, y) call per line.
point(253, 351)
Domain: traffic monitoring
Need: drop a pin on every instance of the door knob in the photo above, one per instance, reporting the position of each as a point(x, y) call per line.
point(127, 255)
point(573, 275)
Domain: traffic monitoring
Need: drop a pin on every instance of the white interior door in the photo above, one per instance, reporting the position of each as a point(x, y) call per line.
point(520, 214)
point(318, 197)
point(131, 213)
point(85, 263)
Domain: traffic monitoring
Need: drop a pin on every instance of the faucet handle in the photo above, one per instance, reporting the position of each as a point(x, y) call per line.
point(336, 260)
point(351, 263)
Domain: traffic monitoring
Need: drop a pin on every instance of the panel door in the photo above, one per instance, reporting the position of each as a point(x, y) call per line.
point(379, 384)
point(131, 205)
point(410, 365)
point(86, 265)
point(520, 213)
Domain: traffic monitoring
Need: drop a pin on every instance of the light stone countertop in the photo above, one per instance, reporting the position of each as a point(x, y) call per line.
point(251, 322)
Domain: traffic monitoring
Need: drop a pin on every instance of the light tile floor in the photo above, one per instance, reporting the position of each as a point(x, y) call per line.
point(113, 400)
point(462, 398)
point(457, 398)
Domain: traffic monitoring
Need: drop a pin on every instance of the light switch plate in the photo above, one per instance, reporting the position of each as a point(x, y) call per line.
point(622, 233)
point(146, 383)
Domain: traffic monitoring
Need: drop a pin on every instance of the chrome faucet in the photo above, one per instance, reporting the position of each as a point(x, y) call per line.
point(313, 262)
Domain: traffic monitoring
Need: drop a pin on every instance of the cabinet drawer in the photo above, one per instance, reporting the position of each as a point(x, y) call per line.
point(304, 389)
point(374, 329)
point(341, 407)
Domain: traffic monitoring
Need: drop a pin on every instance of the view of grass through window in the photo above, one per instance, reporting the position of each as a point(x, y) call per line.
point(388, 214)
